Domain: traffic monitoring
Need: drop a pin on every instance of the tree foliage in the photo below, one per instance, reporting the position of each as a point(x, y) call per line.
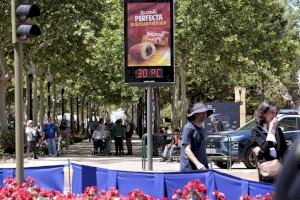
point(221, 44)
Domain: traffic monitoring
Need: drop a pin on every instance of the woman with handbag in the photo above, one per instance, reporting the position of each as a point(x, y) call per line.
point(32, 138)
point(270, 142)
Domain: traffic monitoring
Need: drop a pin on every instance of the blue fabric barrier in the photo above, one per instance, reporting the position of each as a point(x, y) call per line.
point(162, 184)
point(150, 183)
point(178, 180)
point(48, 177)
point(256, 188)
point(83, 176)
point(232, 187)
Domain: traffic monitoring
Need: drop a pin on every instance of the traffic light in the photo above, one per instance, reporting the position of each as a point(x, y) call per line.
point(25, 29)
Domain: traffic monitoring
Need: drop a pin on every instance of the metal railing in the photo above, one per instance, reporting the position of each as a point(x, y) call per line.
point(158, 141)
point(213, 154)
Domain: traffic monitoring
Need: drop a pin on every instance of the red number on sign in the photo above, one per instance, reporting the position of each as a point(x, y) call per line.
point(153, 72)
point(139, 73)
point(158, 73)
point(145, 73)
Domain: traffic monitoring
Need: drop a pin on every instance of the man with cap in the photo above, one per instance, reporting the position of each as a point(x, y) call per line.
point(193, 150)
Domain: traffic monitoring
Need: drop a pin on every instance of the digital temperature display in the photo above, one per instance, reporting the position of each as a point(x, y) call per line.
point(148, 73)
point(149, 42)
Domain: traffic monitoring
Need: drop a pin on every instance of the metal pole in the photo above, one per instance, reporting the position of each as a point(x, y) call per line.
point(149, 129)
point(18, 112)
point(18, 63)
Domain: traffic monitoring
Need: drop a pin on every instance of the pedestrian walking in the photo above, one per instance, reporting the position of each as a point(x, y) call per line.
point(270, 142)
point(50, 134)
point(33, 137)
point(118, 135)
point(128, 136)
point(65, 132)
point(193, 150)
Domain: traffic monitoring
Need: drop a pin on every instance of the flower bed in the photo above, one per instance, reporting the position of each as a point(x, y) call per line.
point(29, 190)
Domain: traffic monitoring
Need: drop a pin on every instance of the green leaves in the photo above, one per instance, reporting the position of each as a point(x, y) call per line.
point(220, 43)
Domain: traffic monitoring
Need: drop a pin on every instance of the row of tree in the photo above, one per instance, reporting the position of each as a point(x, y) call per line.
point(219, 45)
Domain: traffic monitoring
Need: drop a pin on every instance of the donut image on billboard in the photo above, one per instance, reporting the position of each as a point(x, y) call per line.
point(148, 34)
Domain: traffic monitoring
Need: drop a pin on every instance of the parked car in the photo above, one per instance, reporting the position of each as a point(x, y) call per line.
point(241, 140)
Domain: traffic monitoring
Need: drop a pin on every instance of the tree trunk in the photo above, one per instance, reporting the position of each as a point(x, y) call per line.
point(3, 116)
point(54, 100)
point(184, 101)
point(175, 105)
point(157, 110)
point(35, 100)
point(5, 77)
point(90, 110)
point(27, 97)
point(72, 113)
point(77, 114)
point(97, 111)
point(82, 113)
point(42, 103)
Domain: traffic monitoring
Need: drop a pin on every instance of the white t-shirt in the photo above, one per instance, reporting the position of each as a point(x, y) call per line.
point(127, 127)
point(30, 132)
point(97, 135)
point(271, 137)
point(104, 131)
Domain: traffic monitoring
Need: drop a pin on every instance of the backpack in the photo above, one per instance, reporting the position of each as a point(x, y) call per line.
point(38, 135)
point(131, 128)
point(63, 125)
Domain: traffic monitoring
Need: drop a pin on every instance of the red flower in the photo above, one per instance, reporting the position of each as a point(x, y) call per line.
point(219, 195)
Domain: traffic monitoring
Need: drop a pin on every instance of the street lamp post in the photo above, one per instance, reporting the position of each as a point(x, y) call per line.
point(63, 86)
point(30, 77)
point(49, 80)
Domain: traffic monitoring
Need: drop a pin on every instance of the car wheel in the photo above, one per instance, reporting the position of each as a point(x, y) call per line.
point(222, 164)
point(250, 159)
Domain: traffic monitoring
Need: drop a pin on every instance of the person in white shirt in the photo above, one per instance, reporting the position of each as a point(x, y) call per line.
point(99, 136)
point(32, 138)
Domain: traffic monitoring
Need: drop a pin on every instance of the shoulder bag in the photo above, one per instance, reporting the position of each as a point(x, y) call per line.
point(269, 169)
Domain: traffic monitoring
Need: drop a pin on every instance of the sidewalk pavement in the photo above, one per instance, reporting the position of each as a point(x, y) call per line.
point(81, 153)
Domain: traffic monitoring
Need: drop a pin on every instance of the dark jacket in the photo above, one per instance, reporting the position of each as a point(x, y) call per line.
point(260, 136)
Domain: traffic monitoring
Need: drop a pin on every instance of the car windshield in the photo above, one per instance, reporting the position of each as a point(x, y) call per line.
point(248, 126)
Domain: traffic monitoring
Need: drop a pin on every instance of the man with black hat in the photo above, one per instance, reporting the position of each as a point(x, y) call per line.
point(193, 150)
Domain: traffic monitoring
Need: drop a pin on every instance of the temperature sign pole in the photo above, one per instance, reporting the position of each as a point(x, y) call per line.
point(149, 51)
point(149, 129)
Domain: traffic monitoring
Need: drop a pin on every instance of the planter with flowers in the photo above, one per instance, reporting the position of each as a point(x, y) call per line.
point(29, 190)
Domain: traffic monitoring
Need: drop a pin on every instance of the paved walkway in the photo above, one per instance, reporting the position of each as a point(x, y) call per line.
point(81, 153)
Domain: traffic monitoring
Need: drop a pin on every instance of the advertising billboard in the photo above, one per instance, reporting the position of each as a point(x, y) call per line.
point(149, 42)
